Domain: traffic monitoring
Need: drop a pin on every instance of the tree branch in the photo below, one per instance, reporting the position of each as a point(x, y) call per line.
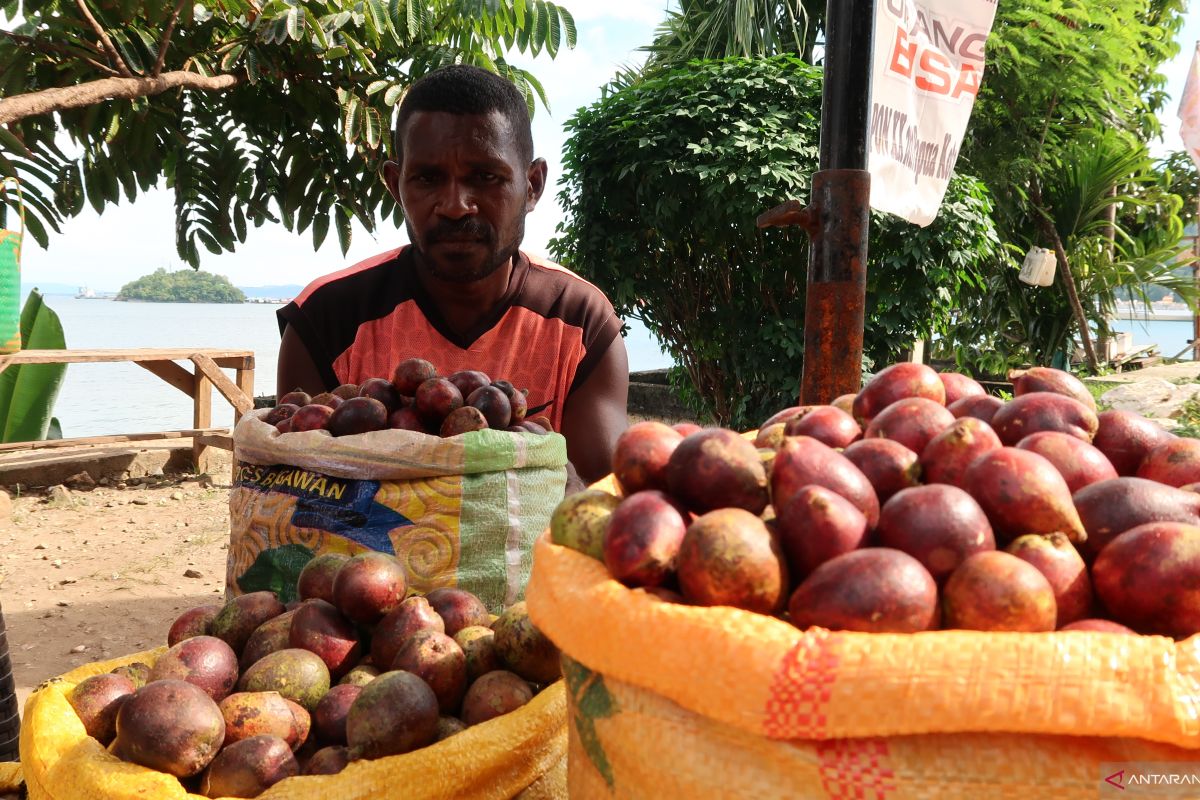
point(118, 62)
point(20, 106)
point(165, 41)
point(52, 48)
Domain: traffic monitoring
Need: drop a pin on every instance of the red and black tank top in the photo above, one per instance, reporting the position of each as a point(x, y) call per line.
point(546, 335)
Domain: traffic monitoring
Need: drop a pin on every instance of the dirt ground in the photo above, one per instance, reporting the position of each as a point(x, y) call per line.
point(105, 572)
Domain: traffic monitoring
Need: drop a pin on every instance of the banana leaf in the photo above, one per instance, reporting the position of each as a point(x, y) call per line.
point(28, 391)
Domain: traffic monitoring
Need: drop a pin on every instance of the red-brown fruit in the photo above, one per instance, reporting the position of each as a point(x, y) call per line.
point(250, 714)
point(249, 767)
point(784, 415)
point(242, 615)
point(193, 622)
point(320, 628)
point(493, 695)
point(410, 374)
point(877, 590)
point(329, 718)
point(357, 415)
point(717, 468)
point(1098, 626)
point(406, 419)
point(958, 386)
point(524, 649)
point(729, 558)
point(382, 390)
point(96, 700)
point(1149, 579)
point(436, 398)
point(640, 457)
point(826, 424)
point(328, 761)
point(273, 635)
point(894, 383)
point(770, 437)
point(686, 428)
point(1021, 492)
point(642, 538)
point(395, 713)
point(888, 465)
point(981, 408)
point(912, 422)
point(1048, 379)
point(296, 397)
point(301, 724)
point(414, 614)
point(845, 402)
point(280, 412)
point(493, 402)
point(939, 525)
point(316, 578)
point(463, 420)
point(816, 525)
point(204, 661)
point(479, 646)
point(438, 660)
point(1175, 462)
point(1125, 438)
point(310, 418)
point(946, 458)
point(1044, 411)
point(369, 586)
point(170, 726)
point(518, 400)
point(533, 427)
point(1058, 560)
point(284, 425)
point(996, 591)
point(327, 399)
point(1079, 463)
point(802, 460)
point(458, 609)
point(346, 391)
point(1109, 508)
point(542, 421)
point(468, 380)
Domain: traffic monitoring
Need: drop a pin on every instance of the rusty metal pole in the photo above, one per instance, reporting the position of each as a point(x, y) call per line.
point(840, 209)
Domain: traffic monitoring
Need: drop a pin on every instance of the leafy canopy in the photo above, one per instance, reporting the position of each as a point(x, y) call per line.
point(249, 111)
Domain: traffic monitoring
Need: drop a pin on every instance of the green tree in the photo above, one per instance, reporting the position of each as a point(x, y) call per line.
point(663, 179)
point(182, 286)
point(249, 110)
point(750, 28)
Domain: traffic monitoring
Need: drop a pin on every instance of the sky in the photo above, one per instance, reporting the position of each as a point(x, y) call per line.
point(133, 239)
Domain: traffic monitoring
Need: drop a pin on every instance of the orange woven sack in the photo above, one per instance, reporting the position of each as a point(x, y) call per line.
point(521, 754)
point(669, 700)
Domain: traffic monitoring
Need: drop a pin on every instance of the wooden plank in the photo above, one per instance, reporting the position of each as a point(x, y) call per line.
point(237, 398)
point(234, 362)
point(245, 382)
point(123, 438)
point(201, 417)
point(172, 373)
point(132, 354)
point(217, 440)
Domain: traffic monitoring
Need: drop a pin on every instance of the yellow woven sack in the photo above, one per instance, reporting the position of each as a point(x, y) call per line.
point(522, 754)
point(668, 700)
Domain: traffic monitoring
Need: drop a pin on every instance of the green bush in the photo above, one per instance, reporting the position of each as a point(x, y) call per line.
point(663, 179)
point(182, 286)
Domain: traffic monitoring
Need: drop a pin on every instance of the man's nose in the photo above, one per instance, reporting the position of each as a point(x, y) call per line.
point(457, 201)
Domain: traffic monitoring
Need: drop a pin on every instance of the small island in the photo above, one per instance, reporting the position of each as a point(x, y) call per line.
point(183, 286)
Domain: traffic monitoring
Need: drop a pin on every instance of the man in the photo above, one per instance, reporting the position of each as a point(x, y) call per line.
point(462, 295)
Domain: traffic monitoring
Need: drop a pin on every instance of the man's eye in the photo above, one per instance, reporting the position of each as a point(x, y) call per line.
point(488, 177)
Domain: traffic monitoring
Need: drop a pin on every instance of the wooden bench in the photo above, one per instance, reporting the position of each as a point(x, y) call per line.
point(196, 383)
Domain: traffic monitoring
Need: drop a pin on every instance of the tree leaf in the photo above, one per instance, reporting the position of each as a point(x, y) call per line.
point(28, 391)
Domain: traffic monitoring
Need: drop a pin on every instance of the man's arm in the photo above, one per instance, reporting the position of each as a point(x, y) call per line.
point(596, 414)
point(296, 369)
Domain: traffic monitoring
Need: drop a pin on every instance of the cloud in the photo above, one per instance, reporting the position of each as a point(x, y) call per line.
point(645, 11)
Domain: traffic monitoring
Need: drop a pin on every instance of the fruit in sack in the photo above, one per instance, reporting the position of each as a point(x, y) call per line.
point(249, 767)
point(958, 386)
point(249, 714)
point(274, 634)
point(298, 675)
point(948, 454)
point(877, 590)
point(996, 591)
point(448, 726)
point(729, 558)
point(517, 401)
point(395, 713)
point(1175, 462)
point(981, 408)
point(316, 578)
point(1098, 626)
point(1058, 560)
point(1078, 462)
point(493, 403)
point(912, 422)
point(889, 466)
point(468, 380)
point(204, 661)
point(310, 418)
point(826, 424)
point(413, 615)
point(438, 660)
point(411, 373)
point(382, 390)
point(329, 717)
point(360, 675)
point(462, 420)
point(368, 587)
point(493, 695)
point(296, 397)
point(771, 436)
point(328, 761)
point(242, 615)
point(478, 644)
point(1021, 492)
point(816, 525)
point(436, 398)
point(782, 416)
point(346, 390)
point(138, 673)
point(193, 622)
point(458, 609)
point(717, 468)
point(802, 460)
point(171, 726)
point(579, 521)
point(280, 412)
point(523, 648)
point(894, 383)
point(1044, 411)
point(1109, 508)
point(640, 456)
point(939, 525)
point(327, 399)
point(356, 415)
point(641, 542)
point(406, 419)
point(1048, 379)
point(1149, 578)
point(321, 629)
point(97, 700)
point(1126, 438)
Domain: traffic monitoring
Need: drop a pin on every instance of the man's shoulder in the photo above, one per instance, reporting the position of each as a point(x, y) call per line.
point(367, 271)
point(544, 272)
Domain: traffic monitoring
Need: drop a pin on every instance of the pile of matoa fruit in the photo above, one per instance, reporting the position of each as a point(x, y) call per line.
point(415, 399)
point(251, 692)
point(920, 503)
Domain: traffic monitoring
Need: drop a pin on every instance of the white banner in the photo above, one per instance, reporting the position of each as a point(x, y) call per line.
point(928, 66)
point(1189, 110)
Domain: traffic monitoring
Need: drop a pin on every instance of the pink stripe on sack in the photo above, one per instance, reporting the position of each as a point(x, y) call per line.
point(856, 768)
point(801, 689)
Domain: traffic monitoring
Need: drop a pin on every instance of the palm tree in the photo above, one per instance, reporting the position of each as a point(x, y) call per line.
point(722, 28)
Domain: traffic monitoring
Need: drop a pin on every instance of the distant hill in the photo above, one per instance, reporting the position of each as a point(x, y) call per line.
point(282, 292)
point(181, 286)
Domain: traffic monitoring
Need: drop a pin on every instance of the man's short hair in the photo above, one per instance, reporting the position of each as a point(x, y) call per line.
point(464, 89)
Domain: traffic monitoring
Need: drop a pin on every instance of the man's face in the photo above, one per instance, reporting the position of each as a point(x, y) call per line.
point(465, 191)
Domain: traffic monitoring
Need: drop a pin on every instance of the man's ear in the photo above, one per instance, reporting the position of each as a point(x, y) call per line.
point(536, 178)
point(391, 179)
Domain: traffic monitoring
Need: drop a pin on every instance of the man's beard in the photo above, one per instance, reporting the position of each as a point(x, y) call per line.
point(460, 273)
